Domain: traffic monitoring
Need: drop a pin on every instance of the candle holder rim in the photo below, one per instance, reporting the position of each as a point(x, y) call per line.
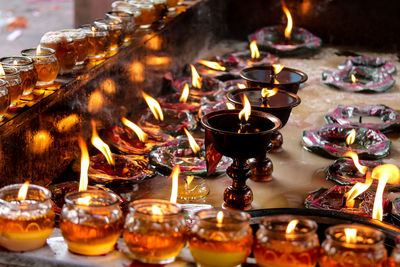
point(150, 202)
point(380, 236)
point(14, 71)
point(125, 14)
point(30, 61)
point(303, 75)
point(49, 52)
point(15, 206)
point(3, 83)
point(311, 225)
point(242, 216)
point(205, 122)
point(296, 98)
point(114, 200)
point(79, 30)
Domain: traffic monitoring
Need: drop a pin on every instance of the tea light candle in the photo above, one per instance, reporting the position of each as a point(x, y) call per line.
point(284, 241)
point(220, 238)
point(91, 222)
point(154, 231)
point(353, 245)
point(26, 217)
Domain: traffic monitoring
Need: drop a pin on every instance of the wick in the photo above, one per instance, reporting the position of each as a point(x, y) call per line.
point(265, 101)
point(272, 75)
point(360, 119)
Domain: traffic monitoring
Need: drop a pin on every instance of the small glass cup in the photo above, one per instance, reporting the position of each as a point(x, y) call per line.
point(64, 47)
point(91, 222)
point(98, 40)
point(4, 98)
point(128, 8)
point(148, 14)
point(275, 246)
point(128, 21)
point(222, 243)
point(27, 72)
point(364, 248)
point(154, 231)
point(161, 8)
point(116, 34)
point(25, 224)
point(14, 84)
point(81, 45)
point(45, 63)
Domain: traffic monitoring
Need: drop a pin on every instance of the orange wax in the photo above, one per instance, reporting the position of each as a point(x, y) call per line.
point(154, 246)
point(91, 239)
point(287, 254)
point(219, 251)
point(24, 234)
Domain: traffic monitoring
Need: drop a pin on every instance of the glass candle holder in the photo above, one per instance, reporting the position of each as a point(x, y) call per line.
point(154, 231)
point(128, 22)
point(223, 243)
point(128, 7)
point(98, 41)
point(171, 4)
point(161, 8)
point(27, 72)
point(115, 33)
point(46, 65)
point(64, 47)
point(352, 245)
point(80, 42)
point(277, 244)
point(25, 224)
point(4, 98)
point(148, 14)
point(91, 222)
point(14, 84)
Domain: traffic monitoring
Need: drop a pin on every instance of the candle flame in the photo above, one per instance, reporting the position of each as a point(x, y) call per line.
point(2, 70)
point(277, 68)
point(362, 169)
point(185, 93)
point(139, 132)
point(291, 226)
point(386, 173)
point(255, 53)
point(351, 235)
point(241, 85)
point(230, 106)
point(93, 29)
point(357, 190)
point(212, 65)
point(289, 26)
point(83, 181)
point(192, 142)
point(84, 200)
point(101, 146)
point(351, 137)
point(156, 210)
point(196, 79)
point(269, 92)
point(189, 180)
point(174, 190)
point(353, 78)
point(220, 217)
point(23, 191)
point(246, 111)
point(38, 50)
point(154, 107)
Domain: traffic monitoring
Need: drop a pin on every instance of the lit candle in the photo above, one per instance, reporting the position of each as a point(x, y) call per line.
point(284, 241)
point(353, 245)
point(220, 238)
point(26, 217)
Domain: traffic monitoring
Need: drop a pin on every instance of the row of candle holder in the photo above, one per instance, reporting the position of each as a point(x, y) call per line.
point(155, 232)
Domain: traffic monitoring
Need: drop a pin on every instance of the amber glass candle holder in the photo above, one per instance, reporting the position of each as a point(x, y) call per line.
point(25, 224)
point(80, 42)
point(161, 8)
point(148, 13)
point(4, 98)
point(127, 21)
point(45, 63)
point(220, 243)
point(98, 41)
point(154, 231)
point(278, 245)
point(130, 8)
point(91, 222)
point(353, 245)
point(27, 72)
point(116, 34)
point(14, 84)
point(64, 47)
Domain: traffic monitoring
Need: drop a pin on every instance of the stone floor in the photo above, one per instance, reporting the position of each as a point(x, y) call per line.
point(41, 16)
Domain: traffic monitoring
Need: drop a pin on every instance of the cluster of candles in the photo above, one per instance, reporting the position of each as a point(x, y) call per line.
point(155, 231)
point(72, 50)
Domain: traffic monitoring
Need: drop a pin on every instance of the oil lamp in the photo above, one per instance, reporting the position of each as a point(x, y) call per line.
point(14, 84)
point(180, 101)
point(286, 241)
point(220, 238)
point(4, 98)
point(369, 62)
point(274, 76)
point(254, 57)
point(26, 216)
point(353, 245)
point(276, 102)
point(230, 134)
